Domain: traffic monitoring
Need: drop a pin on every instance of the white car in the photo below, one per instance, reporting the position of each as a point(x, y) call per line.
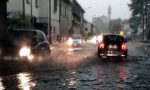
point(75, 40)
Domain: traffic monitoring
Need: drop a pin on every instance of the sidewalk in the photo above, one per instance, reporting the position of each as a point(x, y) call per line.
point(145, 43)
point(143, 46)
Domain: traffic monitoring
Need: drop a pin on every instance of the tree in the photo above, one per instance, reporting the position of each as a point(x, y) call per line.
point(140, 15)
point(3, 16)
point(135, 24)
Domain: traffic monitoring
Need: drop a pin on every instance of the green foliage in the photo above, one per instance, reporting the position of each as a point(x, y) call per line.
point(140, 15)
point(17, 21)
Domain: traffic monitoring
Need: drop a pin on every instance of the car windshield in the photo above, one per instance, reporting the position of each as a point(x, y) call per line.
point(76, 37)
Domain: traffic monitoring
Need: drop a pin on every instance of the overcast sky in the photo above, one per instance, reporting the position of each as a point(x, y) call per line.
point(97, 8)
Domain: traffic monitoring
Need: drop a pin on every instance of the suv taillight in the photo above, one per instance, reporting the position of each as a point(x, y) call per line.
point(124, 47)
point(102, 45)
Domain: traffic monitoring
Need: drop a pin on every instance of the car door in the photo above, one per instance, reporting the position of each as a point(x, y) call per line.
point(43, 44)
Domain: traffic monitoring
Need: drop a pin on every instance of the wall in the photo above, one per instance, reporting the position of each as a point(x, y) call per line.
point(44, 7)
point(16, 6)
point(65, 18)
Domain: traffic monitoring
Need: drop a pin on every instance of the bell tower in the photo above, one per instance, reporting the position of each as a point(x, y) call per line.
point(109, 12)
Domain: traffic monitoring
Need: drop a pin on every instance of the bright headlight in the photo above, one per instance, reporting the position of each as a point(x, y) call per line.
point(24, 52)
point(70, 41)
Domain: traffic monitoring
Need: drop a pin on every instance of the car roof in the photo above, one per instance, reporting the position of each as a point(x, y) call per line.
point(32, 30)
point(112, 35)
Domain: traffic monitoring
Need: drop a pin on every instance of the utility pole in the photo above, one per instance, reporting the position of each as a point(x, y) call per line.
point(49, 21)
point(23, 4)
point(31, 22)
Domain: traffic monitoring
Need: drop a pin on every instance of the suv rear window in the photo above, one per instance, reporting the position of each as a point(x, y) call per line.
point(113, 38)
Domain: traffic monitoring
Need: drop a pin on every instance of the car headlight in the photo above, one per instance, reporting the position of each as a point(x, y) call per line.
point(70, 41)
point(24, 52)
point(80, 41)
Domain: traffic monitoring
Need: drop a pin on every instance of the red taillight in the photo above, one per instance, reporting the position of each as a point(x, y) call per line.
point(124, 47)
point(102, 45)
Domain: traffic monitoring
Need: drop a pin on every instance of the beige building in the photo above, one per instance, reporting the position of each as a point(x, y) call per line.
point(28, 8)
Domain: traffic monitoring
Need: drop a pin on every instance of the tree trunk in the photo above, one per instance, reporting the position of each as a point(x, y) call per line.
point(3, 16)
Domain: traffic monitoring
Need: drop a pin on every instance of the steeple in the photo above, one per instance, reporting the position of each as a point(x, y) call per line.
point(109, 12)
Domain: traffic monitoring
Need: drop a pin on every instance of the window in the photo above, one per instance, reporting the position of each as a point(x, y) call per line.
point(55, 6)
point(27, 1)
point(36, 3)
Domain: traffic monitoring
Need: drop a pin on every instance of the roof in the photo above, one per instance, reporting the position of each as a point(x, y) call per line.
point(77, 8)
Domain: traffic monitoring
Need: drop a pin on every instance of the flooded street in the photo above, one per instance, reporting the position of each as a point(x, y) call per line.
point(79, 69)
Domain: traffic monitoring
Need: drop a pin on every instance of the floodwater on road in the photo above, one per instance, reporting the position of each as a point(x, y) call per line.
point(131, 74)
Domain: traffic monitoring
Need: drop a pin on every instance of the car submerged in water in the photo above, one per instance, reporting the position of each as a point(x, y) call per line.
point(24, 44)
point(112, 46)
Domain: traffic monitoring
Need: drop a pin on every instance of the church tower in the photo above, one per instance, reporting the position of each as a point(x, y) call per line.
point(109, 12)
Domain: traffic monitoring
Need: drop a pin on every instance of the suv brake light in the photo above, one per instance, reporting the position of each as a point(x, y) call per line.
point(102, 45)
point(124, 46)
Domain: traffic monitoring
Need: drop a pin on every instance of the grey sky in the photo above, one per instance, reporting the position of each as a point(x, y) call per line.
point(120, 8)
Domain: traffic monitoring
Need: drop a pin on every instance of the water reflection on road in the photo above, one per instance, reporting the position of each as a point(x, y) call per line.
point(25, 81)
point(1, 85)
point(112, 75)
point(22, 81)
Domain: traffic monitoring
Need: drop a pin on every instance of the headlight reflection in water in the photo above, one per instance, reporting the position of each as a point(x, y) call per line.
point(25, 81)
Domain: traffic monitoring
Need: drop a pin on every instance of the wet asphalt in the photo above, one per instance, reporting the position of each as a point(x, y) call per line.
point(79, 69)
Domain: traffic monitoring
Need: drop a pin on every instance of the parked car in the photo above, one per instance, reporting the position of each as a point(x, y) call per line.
point(22, 44)
point(112, 46)
point(75, 40)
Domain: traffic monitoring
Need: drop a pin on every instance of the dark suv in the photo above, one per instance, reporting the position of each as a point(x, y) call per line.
point(112, 46)
point(24, 44)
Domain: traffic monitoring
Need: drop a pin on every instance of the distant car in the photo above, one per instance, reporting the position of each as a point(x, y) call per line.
point(112, 46)
point(24, 45)
point(75, 40)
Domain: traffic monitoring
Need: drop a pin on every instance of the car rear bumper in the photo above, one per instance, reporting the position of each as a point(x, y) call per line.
point(76, 44)
point(105, 54)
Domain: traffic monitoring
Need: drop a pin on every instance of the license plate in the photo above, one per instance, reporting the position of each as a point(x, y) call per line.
point(104, 56)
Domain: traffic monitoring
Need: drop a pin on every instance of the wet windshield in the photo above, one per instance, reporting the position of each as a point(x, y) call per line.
point(74, 44)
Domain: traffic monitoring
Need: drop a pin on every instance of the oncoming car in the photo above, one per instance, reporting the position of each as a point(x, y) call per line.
point(75, 40)
point(24, 45)
point(112, 46)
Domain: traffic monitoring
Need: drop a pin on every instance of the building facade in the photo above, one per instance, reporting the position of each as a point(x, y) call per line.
point(52, 11)
point(27, 8)
point(78, 18)
point(101, 24)
point(57, 18)
point(65, 18)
